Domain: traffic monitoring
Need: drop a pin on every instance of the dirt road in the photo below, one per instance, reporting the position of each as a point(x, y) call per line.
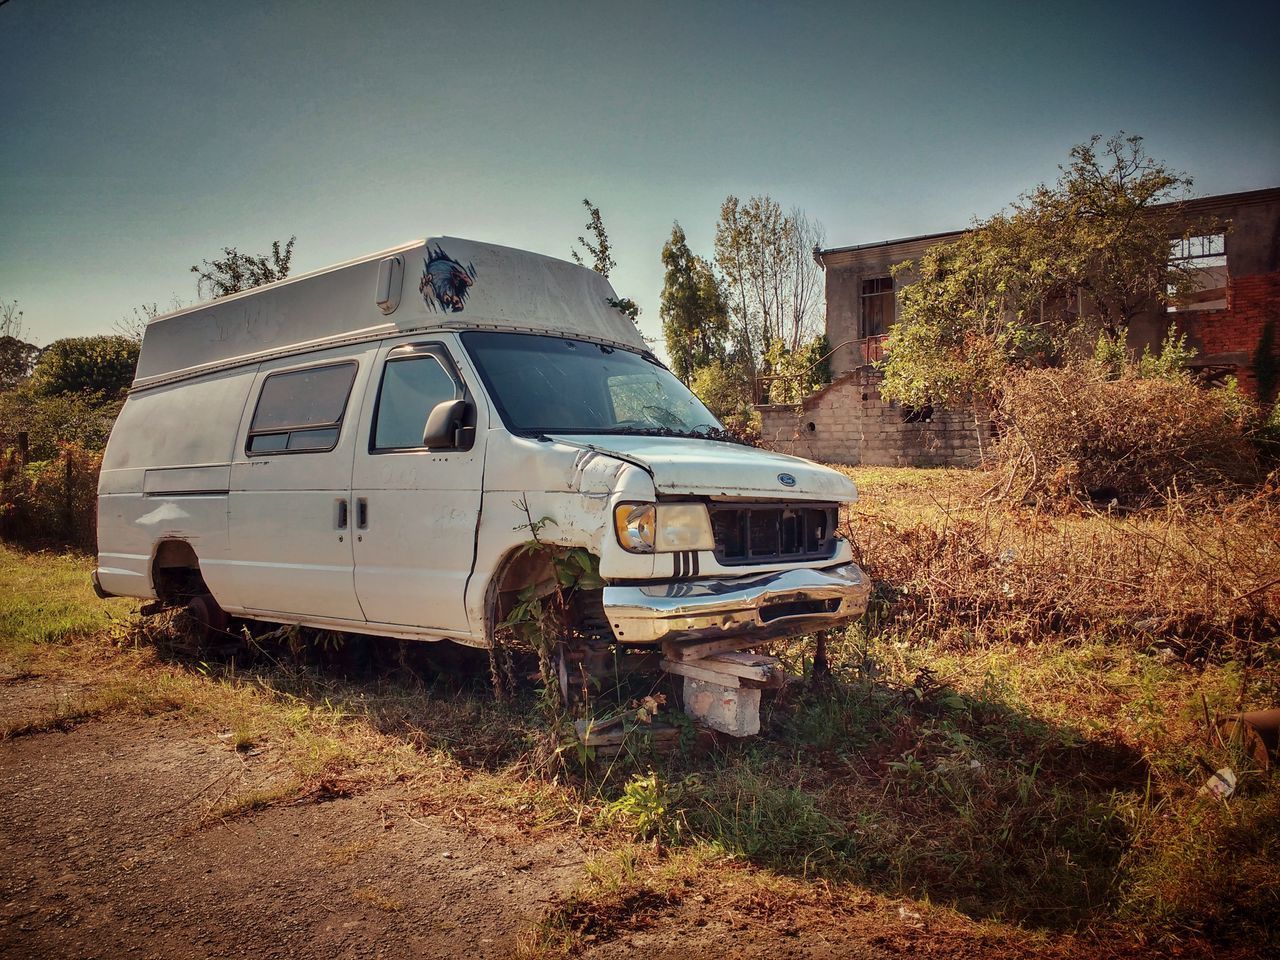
point(105, 855)
point(110, 852)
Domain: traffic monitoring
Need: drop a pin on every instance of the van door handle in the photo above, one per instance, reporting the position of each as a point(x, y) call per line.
point(342, 514)
point(362, 513)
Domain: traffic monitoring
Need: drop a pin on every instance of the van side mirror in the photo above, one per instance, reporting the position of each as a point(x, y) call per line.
point(444, 425)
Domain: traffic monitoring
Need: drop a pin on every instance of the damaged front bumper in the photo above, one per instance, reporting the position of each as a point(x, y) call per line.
point(763, 607)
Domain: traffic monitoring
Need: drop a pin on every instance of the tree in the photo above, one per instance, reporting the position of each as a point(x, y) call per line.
point(103, 366)
point(695, 317)
point(17, 357)
point(1037, 284)
point(773, 285)
point(11, 324)
point(602, 261)
point(236, 271)
point(134, 324)
point(17, 360)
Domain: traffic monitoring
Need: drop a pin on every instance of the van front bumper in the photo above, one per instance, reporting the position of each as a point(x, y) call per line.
point(764, 607)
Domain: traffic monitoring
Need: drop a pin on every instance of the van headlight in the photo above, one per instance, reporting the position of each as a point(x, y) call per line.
point(636, 526)
point(663, 527)
point(683, 526)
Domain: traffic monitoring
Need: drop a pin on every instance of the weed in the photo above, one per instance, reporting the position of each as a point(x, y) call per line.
point(647, 805)
point(348, 853)
point(255, 799)
point(376, 898)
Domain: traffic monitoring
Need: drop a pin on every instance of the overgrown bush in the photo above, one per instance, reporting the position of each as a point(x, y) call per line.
point(103, 364)
point(797, 373)
point(724, 386)
point(82, 419)
point(48, 503)
point(1077, 432)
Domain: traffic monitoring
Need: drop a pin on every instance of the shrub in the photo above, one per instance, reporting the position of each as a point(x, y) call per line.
point(797, 373)
point(50, 502)
point(102, 364)
point(1075, 433)
point(84, 420)
point(724, 388)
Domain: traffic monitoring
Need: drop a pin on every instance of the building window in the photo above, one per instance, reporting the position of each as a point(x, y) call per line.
point(300, 411)
point(877, 306)
point(1206, 258)
point(1209, 250)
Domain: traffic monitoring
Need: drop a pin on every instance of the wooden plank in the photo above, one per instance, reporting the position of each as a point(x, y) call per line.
point(613, 734)
point(748, 666)
point(705, 648)
point(698, 672)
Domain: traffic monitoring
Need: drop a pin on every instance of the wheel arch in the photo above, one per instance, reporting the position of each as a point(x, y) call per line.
point(175, 570)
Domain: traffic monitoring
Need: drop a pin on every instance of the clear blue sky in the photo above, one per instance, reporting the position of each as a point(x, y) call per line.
point(141, 137)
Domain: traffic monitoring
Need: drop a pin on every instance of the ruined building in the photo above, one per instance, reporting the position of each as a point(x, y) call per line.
point(1233, 322)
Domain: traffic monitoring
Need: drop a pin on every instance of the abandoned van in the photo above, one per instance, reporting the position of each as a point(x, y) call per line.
point(364, 448)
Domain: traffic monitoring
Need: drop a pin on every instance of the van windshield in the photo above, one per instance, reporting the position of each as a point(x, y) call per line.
point(546, 384)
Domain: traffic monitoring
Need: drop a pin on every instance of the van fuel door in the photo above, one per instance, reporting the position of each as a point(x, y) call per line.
point(390, 283)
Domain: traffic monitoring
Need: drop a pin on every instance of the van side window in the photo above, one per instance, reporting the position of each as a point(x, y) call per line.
point(301, 410)
point(411, 387)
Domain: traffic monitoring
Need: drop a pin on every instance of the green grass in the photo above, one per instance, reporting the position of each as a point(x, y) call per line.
point(48, 597)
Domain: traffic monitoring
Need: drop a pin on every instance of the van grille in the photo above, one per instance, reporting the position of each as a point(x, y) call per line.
point(770, 533)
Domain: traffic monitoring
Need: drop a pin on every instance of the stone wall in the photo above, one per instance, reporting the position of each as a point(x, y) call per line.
point(848, 422)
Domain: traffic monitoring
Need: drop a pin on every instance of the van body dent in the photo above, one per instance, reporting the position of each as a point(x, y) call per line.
point(363, 448)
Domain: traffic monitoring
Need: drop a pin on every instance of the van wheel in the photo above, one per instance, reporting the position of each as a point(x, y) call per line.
point(209, 621)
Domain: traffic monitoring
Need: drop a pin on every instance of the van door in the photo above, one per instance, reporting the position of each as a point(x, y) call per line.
point(415, 510)
point(289, 507)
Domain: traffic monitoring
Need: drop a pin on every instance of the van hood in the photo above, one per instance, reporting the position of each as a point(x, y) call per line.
point(713, 468)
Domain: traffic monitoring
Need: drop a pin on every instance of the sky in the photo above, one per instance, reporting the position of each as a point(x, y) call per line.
point(140, 138)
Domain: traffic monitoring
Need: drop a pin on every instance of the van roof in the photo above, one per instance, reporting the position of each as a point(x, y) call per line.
point(447, 284)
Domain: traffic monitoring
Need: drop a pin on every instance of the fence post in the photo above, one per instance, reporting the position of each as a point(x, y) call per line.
point(69, 505)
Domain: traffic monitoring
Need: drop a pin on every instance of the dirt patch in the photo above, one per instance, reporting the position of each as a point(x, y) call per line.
point(113, 848)
point(26, 697)
point(108, 854)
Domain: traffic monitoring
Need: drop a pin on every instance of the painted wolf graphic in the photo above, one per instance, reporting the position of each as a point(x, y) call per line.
point(445, 282)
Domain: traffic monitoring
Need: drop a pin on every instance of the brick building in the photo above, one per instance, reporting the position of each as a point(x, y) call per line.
point(1232, 320)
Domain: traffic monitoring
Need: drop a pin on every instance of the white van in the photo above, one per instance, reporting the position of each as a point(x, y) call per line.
point(355, 451)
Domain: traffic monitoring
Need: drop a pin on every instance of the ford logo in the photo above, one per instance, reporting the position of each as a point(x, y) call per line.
point(786, 479)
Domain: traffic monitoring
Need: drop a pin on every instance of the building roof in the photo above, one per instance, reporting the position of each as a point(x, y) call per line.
point(1196, 205)
point(888, 243)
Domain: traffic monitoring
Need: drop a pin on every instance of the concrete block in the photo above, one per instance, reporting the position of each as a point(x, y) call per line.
point(731, 710)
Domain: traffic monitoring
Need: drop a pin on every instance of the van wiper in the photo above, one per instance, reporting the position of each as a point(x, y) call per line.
point(698, 433)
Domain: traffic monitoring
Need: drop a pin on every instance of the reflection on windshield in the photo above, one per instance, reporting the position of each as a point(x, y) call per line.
point(545, 384)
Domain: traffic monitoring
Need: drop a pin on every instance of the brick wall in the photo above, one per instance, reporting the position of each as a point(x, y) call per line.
point(848, 422)
point(1247, 332)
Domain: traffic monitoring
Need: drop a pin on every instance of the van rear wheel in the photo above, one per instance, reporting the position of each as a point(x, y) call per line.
point(209, 621)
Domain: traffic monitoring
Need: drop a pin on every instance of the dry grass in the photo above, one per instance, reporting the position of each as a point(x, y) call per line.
point(376, 898)
point(1015, 736)
point(1203, 581)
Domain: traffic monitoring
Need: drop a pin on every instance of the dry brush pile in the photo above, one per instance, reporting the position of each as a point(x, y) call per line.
point(1204, 581)
point(1084, 434)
